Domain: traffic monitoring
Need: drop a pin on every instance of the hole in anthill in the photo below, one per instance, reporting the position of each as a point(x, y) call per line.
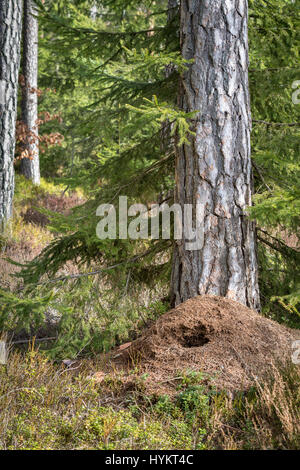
point(193, 341)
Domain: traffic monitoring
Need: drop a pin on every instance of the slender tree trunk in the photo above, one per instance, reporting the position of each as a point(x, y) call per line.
point(166, 128)
point(10, 38)
point(215, 169)
point(30, 167)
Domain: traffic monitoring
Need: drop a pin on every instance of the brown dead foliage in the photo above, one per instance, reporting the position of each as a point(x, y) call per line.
point(56, 203)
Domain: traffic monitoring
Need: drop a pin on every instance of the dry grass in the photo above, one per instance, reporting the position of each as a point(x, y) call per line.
point(266, 418)
point(44, 405)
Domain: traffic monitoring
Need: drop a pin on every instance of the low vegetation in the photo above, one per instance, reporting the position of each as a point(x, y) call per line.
point(50, 406)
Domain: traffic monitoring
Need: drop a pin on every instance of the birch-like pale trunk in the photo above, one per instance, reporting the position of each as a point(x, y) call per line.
point(10, 38)
point(215, 169)
point(30, 167)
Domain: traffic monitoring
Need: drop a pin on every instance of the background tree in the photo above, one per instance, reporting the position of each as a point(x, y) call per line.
point(30, 166)
point(10, 37)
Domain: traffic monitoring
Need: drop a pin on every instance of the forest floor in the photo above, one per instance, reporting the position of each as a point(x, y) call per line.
point(210, 374)
point(50, 405)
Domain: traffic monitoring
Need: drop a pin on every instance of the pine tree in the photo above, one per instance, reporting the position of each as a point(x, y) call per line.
point(30, 166)
point(214, 168)
point(10, 37)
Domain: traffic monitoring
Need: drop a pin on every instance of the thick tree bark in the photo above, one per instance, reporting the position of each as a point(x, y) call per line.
point(215, 169)
point(30, 167)
point(10, 37)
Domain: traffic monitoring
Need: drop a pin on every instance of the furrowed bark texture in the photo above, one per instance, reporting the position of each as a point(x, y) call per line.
point(10, 35)
point(30, 167)
point(215, 169)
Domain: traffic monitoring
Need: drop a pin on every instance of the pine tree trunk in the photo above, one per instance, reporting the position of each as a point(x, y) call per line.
point(10, 36)
point(30, 167)
point(215, 169)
